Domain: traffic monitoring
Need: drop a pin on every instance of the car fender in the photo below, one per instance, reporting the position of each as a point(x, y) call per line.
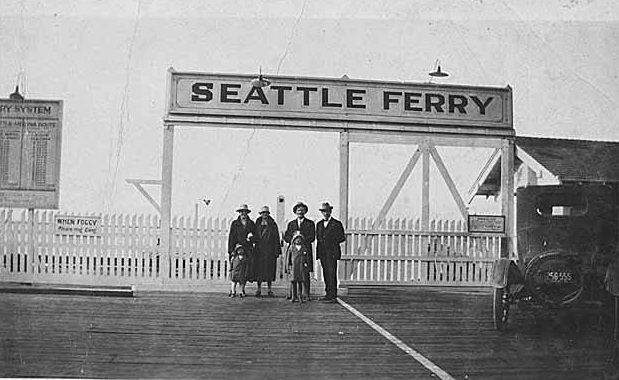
point(611, 279)
point(505, 271)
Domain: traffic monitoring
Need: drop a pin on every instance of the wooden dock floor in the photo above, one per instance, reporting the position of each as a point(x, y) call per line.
point(191, 335)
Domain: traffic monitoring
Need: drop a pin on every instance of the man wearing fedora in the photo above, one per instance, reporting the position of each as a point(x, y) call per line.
point(243, 232)
point(307, 229)
point(329, 235)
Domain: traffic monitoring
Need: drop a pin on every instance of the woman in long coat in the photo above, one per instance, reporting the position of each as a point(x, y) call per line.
point(267, 250)
point(242, 231)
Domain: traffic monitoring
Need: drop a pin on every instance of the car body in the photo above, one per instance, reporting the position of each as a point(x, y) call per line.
point(567, 249)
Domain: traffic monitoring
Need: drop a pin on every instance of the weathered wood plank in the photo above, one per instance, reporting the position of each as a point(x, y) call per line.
point(183, 335)
point(169, 336)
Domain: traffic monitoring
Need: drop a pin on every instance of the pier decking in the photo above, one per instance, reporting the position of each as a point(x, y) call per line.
point(208, 335)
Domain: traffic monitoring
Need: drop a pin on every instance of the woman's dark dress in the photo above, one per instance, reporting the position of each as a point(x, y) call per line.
point(267, 250)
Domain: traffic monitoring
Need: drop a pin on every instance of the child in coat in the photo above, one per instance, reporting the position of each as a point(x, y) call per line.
point(297, 262)
point(238, 270)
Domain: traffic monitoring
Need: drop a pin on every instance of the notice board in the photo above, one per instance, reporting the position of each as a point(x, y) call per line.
point(30, 143)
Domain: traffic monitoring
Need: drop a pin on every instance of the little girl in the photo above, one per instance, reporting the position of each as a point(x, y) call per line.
point(297, 260)
point(238, 270)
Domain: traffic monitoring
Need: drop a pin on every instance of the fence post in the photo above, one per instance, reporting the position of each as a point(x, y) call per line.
point(166, 203)
point(280, 218)
point(31, 247)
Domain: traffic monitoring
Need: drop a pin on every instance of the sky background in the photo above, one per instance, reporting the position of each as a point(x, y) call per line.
point(108, 60)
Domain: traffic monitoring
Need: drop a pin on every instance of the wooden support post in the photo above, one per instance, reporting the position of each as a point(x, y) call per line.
point(166, 202)
point(344, 177)
point(425, 189)
point(507, 196)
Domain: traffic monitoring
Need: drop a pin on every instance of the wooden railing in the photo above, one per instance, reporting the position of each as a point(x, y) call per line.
point(125, 253)
point(128, 253)
point(403, 253)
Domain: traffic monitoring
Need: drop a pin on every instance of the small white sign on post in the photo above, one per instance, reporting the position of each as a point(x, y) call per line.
point(487, 223)
point(77, 225)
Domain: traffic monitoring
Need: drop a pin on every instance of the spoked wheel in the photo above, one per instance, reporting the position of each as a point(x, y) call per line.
point(500, 309)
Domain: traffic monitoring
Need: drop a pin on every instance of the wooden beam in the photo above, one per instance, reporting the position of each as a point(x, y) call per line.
point(507, 196)
point(344, 177)
point(449, 181)
point(137, 183)
point(416, 138)
point(392, 197)
point(144, 181)
point(166, 201)
point(397, 188)
point(425, 189)
point(465, 132)
point(483, 175)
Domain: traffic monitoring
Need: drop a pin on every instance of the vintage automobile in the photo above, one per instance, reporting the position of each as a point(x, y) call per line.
point(567, 251)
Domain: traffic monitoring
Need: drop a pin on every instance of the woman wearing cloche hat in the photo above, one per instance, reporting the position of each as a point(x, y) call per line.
point(243, 232)
point(266, 252)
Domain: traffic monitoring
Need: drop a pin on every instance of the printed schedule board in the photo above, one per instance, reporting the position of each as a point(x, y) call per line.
point(30, 141)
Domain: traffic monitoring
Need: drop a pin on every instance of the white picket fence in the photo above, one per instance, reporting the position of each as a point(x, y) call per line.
point(402, 253)
point(128, 253)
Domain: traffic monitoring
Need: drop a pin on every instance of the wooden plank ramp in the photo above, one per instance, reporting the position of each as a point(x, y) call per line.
point(208, 335)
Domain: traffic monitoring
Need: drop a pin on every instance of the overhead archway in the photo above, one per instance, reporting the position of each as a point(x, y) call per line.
point(425, 116)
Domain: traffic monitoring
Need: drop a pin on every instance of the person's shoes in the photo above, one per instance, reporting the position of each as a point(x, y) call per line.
point(270, 294)
point(232, 294)
point(294, 299)
point(258, 293)
point(242, 295)
point(327, 299)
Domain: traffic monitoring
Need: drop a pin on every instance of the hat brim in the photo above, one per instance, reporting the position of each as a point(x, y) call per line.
point(325, 209)
point(294, 209)
point(243, 209)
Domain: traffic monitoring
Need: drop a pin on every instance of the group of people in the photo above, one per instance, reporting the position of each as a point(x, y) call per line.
point(254, 247)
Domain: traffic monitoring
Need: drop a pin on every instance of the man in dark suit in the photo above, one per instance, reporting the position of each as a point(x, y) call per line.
point(329, 235)
point(308, 230)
